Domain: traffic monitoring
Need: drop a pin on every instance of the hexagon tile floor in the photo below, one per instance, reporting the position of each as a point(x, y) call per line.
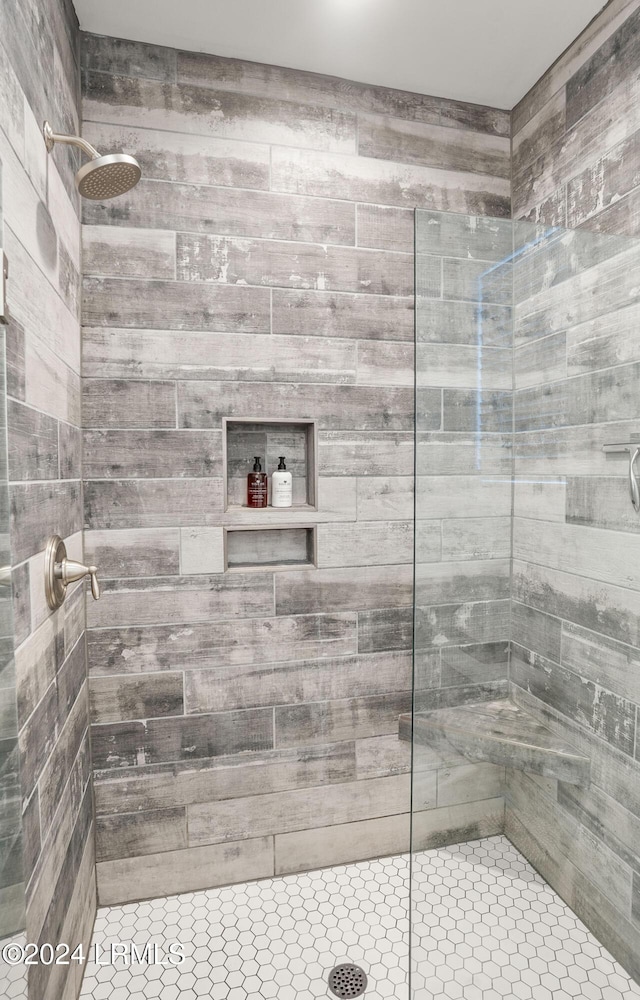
point(486, 926)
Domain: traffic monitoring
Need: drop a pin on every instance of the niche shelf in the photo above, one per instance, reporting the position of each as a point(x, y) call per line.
point(296, 439)
point(273, 548)
point(500, 732)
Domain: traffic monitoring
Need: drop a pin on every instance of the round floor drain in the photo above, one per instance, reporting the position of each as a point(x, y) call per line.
point(347, 981)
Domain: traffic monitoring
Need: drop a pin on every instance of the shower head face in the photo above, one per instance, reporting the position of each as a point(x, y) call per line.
point(108, 176)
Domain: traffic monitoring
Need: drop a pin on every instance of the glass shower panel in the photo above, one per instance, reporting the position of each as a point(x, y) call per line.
point(464, 413)
point(527, 622)
point(463, 504)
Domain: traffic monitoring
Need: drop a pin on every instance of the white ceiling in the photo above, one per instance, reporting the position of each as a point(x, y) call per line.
point(484, 51)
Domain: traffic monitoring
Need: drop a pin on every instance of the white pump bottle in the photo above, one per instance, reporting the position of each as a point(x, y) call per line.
point(281, 486)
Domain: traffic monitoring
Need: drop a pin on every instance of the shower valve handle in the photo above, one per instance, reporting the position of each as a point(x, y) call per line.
point(60, 572)
point(69, 571)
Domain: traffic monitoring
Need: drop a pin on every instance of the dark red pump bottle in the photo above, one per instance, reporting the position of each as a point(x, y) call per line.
point(257, 486)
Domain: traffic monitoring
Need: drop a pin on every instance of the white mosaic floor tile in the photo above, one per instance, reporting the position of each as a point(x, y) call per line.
point(486, 926)
point(13, 978)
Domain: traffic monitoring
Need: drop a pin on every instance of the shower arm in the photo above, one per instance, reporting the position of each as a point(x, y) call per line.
point(51, 138)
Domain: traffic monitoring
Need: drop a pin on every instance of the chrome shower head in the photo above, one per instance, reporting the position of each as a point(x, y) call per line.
point(103, 176)
point(108, 176)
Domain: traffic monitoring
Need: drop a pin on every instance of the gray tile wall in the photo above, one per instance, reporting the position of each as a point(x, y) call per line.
point(246, 723)
point(576, 590)
point(39, 78)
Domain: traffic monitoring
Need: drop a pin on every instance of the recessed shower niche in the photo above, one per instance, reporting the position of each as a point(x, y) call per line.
point(245, 438)
point(270, 538)
point(272, 548)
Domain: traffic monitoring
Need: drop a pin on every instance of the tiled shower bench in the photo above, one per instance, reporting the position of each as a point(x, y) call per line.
point(500, 732)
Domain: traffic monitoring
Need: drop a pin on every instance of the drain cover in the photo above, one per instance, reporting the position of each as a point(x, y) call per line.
point(347, 981)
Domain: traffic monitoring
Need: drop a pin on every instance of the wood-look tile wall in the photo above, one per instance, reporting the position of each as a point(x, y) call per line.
point(39, 78)
point(576, 589)
point(263, 267)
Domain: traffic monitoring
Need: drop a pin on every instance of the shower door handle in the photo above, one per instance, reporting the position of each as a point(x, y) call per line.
point(632, 449)
point(4, 275)
point(633, 482)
